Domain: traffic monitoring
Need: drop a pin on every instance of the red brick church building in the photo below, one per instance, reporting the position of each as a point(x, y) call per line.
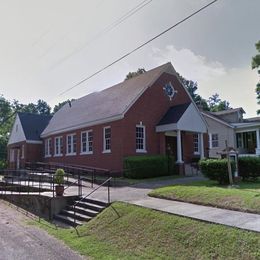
point(144, 115)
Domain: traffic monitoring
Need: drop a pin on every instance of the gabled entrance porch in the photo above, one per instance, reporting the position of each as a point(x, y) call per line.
point(183, 128)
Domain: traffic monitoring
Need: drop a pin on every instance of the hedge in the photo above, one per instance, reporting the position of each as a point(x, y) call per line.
point(249, 167)
point(138, 167)
point(216, 169)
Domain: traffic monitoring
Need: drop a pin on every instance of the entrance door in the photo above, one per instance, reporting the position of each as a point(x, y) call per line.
point(171, 146)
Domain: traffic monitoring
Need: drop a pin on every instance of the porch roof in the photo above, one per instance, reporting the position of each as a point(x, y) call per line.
point(185, 117)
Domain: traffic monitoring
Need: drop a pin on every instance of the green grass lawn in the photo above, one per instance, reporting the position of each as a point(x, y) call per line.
point(140, 233)
point(245, 197)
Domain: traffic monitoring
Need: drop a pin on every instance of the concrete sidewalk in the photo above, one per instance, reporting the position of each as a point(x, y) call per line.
point(230, 218)
point(138, 195)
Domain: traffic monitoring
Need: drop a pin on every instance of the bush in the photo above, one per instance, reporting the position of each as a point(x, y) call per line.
point(59, 176)
point(216, 169)
point(3, 164)
point(138, 167)
point(249, 167)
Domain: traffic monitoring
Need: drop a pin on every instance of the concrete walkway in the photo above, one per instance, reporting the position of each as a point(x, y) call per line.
point(138, 195)
point(231, 218)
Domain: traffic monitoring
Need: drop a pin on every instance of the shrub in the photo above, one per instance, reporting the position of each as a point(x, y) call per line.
point(3, 164)
point(216, 169)
point(138, 167)
point(249, 167)
point(59, 176)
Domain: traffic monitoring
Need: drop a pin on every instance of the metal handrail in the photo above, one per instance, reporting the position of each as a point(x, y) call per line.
point(102, 184)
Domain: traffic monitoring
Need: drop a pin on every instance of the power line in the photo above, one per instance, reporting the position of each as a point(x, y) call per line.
point(105, 30)
point(139, 47)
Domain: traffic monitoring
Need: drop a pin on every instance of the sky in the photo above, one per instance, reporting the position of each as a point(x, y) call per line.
point(48, 46)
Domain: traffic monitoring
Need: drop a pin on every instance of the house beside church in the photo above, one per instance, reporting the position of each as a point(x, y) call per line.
point(229, 125)
point(149, 114)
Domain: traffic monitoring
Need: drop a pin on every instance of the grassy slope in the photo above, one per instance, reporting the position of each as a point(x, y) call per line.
point(244, 198)
point(140, 233)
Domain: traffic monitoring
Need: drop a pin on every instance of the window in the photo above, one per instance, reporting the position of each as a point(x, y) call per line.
point(140, 138)
point(48, 147)
point(87, 142)
point(107, 139)
point(71, 144)
point(196, 143)
point(58, 146)
point(214, 140)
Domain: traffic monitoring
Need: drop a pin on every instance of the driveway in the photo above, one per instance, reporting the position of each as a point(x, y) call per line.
point(23, 242)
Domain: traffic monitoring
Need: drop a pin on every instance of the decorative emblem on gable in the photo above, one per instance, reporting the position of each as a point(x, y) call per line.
point(169, 90)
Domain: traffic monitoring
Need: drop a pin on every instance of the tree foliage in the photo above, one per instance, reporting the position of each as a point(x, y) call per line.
point(135, 73)
point(256, 65)
point(61, 104)
point(216, 104)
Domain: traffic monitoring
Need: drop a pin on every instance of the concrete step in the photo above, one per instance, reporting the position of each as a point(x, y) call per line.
point(78, 216)
point(68, 220)
point(83, 211)
point(90, 206)
point(95, 202)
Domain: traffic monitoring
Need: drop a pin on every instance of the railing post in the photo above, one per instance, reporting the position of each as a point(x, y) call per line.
point(108, 191)
point(52, 186)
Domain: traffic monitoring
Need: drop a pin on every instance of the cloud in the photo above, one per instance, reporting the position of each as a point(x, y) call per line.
point(188, 64)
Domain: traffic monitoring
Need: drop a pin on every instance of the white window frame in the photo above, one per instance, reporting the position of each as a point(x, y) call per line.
point(144, 139)
point(105, 150)
point(196, 144)
point(214, 140)
point(11, 155)
point(60, 146)
point(72, 152)
point(47, 147)
point(88, 141)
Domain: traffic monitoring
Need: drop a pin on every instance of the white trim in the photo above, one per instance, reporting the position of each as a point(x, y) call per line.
point(198, 144)
point(106, 151)
point(17, 136)
point(104, 140)
point(144, 138)
point(72, 144)
point(86, 153)
point(87, 142)
point(70, 154)
point(58, 155)
point(60, 144)
point(85, 125)
point(47, 147)
point(166, 128)
point(33, 142)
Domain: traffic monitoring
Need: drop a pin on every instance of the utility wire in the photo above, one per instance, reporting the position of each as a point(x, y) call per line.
point(105, 31)
point(139, 47)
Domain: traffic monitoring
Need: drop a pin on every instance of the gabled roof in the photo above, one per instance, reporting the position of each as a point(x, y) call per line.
point(229, 111)
point(184, 117)
point(33, 125)
point(174, 114)
point(210, 115)
point(105, 106)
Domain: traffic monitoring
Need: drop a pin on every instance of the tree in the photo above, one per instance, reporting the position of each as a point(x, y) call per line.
point(255, 65)
point(60, 105)
point(192, 87)
point(6, 120)
point(216, 104)
point(135, 73)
